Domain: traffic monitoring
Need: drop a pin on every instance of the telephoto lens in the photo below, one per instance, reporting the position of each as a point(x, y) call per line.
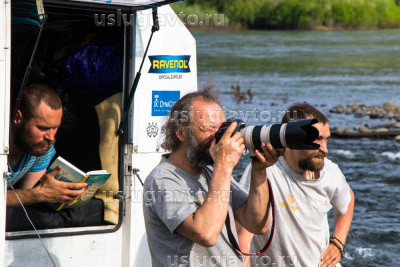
point(298, 134)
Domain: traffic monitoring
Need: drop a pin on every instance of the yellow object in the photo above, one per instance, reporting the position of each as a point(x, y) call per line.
point(76, 200)
point(109, 116)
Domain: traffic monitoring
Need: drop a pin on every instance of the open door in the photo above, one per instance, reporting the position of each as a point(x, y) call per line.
point(5, 21)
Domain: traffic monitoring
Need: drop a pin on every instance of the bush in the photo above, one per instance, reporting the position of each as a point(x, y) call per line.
point(306, 14)
point(207, 14)
point(360, 13)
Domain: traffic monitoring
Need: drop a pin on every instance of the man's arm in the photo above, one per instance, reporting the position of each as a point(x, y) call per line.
point(253, 215)
point(31, 178)
point(49, 190)
point(332, 256)
point(244, 239)
point(205, 225)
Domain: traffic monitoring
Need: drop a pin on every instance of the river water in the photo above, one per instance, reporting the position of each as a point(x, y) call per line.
point(324, 69)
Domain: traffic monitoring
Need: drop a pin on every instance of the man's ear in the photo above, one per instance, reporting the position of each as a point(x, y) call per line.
point(18, 118)
point(181, 134)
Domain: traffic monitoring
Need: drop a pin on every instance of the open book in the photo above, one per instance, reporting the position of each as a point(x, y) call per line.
point(70, 173)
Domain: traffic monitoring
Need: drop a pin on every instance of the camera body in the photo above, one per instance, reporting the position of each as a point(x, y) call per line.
point(298, 134)
point(224, 126)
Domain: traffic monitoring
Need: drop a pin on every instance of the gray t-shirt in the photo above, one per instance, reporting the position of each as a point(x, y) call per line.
point(170, 196)
point(301, 207)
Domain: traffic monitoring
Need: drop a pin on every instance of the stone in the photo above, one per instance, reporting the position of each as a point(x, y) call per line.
point(390, 114)
point(273, 104)
point(381, 130)
point(348, 130)
point(389, 106)
point(373, 116)
point(348, 110)
point(354, 107)
point(338, 109)
point(397, 138)
point(363, 129)
point(377, 114)
point(390, 125)
point(338, 129)
point(359, 114)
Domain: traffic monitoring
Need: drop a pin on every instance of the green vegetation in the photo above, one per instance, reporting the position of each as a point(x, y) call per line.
point(299, 14)
point(192, 14)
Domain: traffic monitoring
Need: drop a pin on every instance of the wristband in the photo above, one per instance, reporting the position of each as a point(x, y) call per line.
point(333, 240)
point(334, 237)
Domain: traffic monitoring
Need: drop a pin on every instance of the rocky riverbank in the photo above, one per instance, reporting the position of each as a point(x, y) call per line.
point(386, 110)
point(388, 130)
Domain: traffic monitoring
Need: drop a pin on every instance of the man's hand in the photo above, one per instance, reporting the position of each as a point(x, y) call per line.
point(269, 158)
point(53, 191)
point(229, 149)
point(331, 256)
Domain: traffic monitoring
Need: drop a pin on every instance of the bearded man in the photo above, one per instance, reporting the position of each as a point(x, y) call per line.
point(305, 185)
point(31, 149)
point(186, 200)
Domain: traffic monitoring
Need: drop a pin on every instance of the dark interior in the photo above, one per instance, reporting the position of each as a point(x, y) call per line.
point(65, 32)
point(82, 62)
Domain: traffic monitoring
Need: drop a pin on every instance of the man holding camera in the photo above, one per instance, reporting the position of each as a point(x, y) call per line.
point(186, 201)
point(305, 185)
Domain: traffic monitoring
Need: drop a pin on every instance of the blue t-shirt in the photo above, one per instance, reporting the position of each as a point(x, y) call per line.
point(30, 163)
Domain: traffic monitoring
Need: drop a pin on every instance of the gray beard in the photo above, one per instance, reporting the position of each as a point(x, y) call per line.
point(197, 154)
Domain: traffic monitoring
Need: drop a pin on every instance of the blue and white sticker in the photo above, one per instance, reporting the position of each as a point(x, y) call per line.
point(162, 102)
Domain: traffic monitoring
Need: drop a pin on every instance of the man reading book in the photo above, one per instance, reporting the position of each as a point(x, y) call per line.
point(31, 149)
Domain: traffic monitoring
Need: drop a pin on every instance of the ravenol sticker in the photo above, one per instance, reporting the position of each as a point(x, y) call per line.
point(169, 64)
point(162, 102)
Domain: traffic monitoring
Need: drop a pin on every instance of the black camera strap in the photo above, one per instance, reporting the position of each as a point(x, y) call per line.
point(232, 238)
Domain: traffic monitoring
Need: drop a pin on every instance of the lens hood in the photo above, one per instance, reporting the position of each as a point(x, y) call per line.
point(301, 134)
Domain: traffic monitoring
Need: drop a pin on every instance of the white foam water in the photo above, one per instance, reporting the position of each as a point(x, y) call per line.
point(364, 252)
point(343, 153)
point(392, 155)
